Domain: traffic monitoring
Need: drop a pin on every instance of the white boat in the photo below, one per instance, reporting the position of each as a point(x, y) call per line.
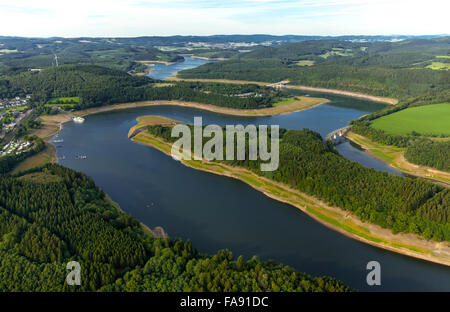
point(78, 119)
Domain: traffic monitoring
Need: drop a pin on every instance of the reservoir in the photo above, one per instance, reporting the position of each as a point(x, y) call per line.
point(162, 71)
point(216, 212)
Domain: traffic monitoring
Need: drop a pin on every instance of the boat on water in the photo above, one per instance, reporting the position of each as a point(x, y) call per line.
point(78, 119)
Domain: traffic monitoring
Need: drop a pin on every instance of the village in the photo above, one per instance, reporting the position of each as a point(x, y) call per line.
point(12, 112)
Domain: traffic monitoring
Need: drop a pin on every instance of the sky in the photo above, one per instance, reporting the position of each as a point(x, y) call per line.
point(120, 18)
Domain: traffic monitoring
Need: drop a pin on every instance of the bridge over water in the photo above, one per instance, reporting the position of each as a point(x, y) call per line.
point(279, 85)
point(337, 135)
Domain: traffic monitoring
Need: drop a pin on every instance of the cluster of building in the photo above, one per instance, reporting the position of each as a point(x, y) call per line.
point(227, 45)
point(16, 148)
point(10, 114)
point(14, 103)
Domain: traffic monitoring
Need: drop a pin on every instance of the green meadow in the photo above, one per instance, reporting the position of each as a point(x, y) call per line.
point(439, 66)
point(68, 102)
point(285, 102)
point(426, 120)
point(305, 63)
point(64, 100)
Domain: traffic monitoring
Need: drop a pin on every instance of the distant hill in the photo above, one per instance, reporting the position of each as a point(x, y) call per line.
point(409, 68)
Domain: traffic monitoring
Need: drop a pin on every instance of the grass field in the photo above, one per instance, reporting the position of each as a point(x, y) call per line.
point(337, 51)
point(426, 120)
point(285, 102)
point(305, 63)
point(439, 66)
point(39, 159)
point(64, 100)
point(20, 109)
point(8, 51)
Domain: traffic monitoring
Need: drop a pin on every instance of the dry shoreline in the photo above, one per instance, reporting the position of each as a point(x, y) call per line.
point(438, 248)
point(303, 103)
point(209, 58)
point(59, 119)
point(359, 95)
point(406, 244)
point(400, 163)
point(145, 73)
point(160, 62)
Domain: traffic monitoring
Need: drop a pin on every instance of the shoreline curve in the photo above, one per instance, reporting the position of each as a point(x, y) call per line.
point(373, 98)
point(348, 224)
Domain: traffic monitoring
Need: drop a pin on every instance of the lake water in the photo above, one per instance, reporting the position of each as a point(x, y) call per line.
point(162, 71)
point(217, 212)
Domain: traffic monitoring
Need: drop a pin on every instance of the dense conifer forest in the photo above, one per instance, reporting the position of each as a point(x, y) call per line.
point(52, 215)
point(403, 204)
point(97, 86)
point(398, 70)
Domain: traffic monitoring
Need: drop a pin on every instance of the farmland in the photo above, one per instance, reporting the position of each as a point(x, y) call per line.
point(425, 120)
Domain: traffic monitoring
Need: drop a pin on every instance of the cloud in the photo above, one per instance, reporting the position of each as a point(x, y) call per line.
point(205, 17)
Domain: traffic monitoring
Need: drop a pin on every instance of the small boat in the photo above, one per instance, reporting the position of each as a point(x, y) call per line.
point(78, 119)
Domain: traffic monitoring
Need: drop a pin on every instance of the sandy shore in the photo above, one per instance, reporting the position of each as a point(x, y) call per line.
point(209, 58)
point(145, 73)
point(54, 123)
point(160, 62)
point(347, 224)
point(358, 95)
point(302, 103)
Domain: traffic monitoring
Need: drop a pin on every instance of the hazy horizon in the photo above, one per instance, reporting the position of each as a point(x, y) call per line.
point(236, 34)
point(136, 18)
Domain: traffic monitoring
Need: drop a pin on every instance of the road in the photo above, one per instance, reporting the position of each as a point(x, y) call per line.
point(19, 121)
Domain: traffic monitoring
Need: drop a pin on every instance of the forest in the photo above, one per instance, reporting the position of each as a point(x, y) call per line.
point(52, 215)
point(402, 204)
point(124, 53)
point(429, 153)
point(97, 86)
point(27, 53)
point(390, 69)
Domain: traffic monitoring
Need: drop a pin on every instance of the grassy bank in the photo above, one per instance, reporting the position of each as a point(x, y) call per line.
point(394, 157)
point(333, 217)
point(301, 103)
